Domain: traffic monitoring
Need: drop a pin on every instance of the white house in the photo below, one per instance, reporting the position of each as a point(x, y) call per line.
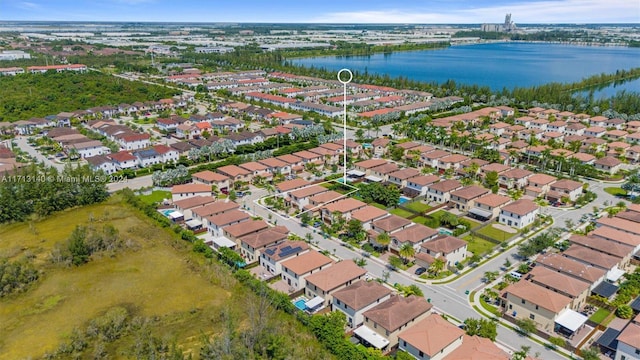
point(271, 258)
point(629, 341)
point(102, 163)
point(519, 214)
point(357, 298)
point(296, 269)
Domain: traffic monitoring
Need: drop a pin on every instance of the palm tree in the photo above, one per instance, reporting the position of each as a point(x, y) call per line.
point(473, 169)
point(406, 251)
point(383, 240)
point(437, 266)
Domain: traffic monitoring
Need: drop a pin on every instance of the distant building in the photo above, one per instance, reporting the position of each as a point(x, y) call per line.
point(507, 26)
point(14, 55)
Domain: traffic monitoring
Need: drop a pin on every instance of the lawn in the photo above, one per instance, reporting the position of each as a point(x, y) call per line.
point(401, 212)
point(379, 206)
point(158, 277)
point(432, 223)
point(478, 246)
point(472, 223)
point(494, 233)
point(156, 196)
point(418, 207)
point(616, 191)
point(599, 316)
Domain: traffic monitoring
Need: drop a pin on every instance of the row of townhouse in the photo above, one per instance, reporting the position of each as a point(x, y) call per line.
point(123, 160)
point(126, 138)
point(71, 139)
point(555, 291)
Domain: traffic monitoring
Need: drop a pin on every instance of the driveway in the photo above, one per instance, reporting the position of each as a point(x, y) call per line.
point(23, 144)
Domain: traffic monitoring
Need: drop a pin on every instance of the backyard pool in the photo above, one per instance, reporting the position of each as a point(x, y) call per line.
point(444, 231)
point(167, 212)
point(300, 304)
point(403, 199)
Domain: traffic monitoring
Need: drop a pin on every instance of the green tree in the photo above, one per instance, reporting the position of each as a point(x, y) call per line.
point(490, 276)
point(383, 240)
point(624, 312)
point(78, 247)
point(523, 268)
point(491, 181)
point(407, 251)
point(522, 353)
point(590, 354)
point(557, 341)
point(526, 326)
point(395, 261)
point(355, 230)
point(437, 266)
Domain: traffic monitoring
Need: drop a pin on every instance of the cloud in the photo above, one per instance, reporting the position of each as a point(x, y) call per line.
point(546, 11)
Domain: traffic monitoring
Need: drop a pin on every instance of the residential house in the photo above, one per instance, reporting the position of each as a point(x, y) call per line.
point(575, 289)
point(380, 146)
point(610, 230)
point(463, 199)
point(526, 300)
point(572, 268)
point(133, 141)
point(391, 317)
point(608, 164)
point(478, 348)
point(488, 206)
point(519, 214)
point(236, 231)
point(592, 257)
point(366, 165)
point(415, 235)
point(186, 206)
point(539, 185)
point(166, 153)
point(187, 131)
point(295, 270)
point(595, 131)
point(276, 166)
point(432, 158)
point(258, 171)
point(291, 185)
point(564, 188)
point(216, 223)
point(342, 208)
point(207, 177)
point(235, 174)
point(272, 256)
point(103, 163)
point(202, 213)
point(621, 251)
point(300, 197)
point(400, 178)
point(123, 160)
point(336, 277)
point(381, 173)
point(357, 298)
point(432, 338)
point(440, 192)
point(389, 224)
point(514, 178)
point(367, 215)
point(452, 249)
point(419, 185)
point(252, 245)
point(629, 341)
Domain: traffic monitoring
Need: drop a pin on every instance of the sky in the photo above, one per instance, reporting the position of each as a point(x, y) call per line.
point(326, 11)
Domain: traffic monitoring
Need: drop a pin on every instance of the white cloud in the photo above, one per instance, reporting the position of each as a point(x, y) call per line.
point(549, 11)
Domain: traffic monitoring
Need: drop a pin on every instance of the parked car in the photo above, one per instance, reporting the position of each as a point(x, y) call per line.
point(420, 271)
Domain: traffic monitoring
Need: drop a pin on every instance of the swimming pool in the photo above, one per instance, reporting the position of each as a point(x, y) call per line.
point(403, 199)
point(167, 212)
point(443, 231)
point(300, 304)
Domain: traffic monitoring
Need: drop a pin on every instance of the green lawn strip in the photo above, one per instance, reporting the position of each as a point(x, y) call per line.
point(473, 224)
point(615, 191)
point(379, 206)
point(418, 206)
point(494, 233)
point(401, 212)
point(489, 308)
point(599, 316)
point(478, 245)
point(155, 197)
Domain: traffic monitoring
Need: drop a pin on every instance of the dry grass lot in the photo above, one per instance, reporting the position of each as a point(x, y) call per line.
point(159, 277)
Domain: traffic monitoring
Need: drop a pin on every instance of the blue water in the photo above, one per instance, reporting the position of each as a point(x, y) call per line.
point(442, 231)
point(496, 65)
point(167, 212)
point(300, 304)
point(403, 199)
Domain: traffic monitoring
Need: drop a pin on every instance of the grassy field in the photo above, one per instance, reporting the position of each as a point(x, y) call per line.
point(401, 212)
point(418, 206)
point(158, 278)
point(616, 191)
point(495, 234)
point(477, 245)
point(474, 224)
point(156, 196)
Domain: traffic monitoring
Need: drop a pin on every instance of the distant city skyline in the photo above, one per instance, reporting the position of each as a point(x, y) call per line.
point(326, 11)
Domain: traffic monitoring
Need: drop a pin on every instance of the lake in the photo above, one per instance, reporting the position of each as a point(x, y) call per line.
point(496, 65)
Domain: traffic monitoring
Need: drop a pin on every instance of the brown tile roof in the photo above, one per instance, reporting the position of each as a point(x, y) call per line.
point(477, 348)
point(306, 262)
point(446, 185)
point(516, 173)
point(233, 171)
point(190, 188)
point(537, 295)
point(431, 335)
point(542, 179)
point(210, 176)
point(385, 168)
point(603, 245)
point(617, 235)
point(414, 234)
point(454, 158)
point(368, 213)
point(423, 180)
point(326, 197)
point(436, 154)
point(227, 217)
point(307, 155)
point(495, 167)
point(397, 311)
point(408, 145)
point(592, 257)
point(404, 173)
point(470, 192)
point(361, 293)
point(566, 184)
point(620, 224)
point(253, 166)
point(273, 162)
point(194, 201)
point(558, 281)
point(336, 275)
point(292, 185)
point(631, 335)
point(391, 223)
point(289, 159)
point(521, 207)
point(344, 205)
point(264, 238)
point(629, 215)
point(583, 157)
point(444, 244)
point(246, 227)
point(570, 267)
point(380, 142)
point(217, 207)
point(308, 191)
point(493, 200)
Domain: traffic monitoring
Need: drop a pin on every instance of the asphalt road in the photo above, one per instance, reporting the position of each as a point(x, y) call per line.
point(23, 144)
